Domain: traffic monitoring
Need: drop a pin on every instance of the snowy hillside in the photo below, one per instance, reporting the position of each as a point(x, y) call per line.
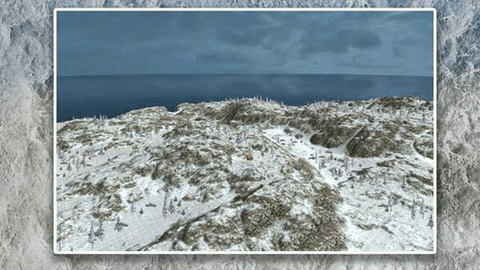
point(249, 175)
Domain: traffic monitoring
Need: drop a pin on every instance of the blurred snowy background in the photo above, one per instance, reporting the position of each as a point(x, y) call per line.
point(26, 133)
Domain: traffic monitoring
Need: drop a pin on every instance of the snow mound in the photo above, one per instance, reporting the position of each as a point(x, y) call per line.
point(249, 175)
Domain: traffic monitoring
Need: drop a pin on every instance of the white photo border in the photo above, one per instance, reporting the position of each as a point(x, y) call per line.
point(55, 246)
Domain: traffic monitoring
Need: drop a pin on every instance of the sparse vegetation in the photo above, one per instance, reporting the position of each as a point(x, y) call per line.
point(158, 163)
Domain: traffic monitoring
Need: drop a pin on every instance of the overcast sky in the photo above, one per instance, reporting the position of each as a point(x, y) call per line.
point(254, 42)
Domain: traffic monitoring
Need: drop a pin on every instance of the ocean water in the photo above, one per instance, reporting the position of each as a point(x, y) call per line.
point(111, 95)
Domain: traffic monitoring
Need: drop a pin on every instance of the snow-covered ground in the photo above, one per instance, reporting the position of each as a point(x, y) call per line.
point(328, 176)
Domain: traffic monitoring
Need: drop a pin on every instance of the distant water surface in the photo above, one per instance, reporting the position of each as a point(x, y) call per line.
point(81, 96)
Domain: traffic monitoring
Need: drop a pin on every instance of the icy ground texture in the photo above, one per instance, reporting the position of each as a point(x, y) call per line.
point(354, 176)
point(26, 136)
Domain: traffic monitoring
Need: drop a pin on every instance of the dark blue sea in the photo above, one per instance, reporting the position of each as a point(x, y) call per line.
point(111, 95)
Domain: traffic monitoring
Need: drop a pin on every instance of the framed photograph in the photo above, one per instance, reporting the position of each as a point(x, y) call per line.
point(250, 131)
